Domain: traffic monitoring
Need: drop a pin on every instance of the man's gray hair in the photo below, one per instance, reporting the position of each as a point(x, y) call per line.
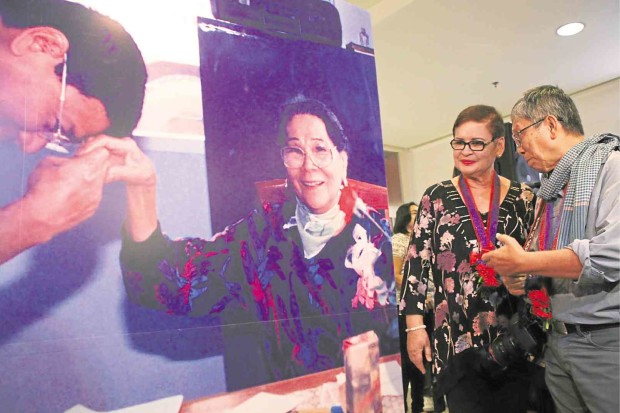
point(545, 100)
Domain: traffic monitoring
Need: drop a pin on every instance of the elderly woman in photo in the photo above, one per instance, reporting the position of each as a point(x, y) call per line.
point(289, 281)
point(457, 221)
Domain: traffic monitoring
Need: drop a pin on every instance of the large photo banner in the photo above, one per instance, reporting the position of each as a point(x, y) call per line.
point(193, 212)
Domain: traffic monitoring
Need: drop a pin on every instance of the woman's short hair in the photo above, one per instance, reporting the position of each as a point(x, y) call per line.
point(403, 218)
point(482, 114)
point(103, 60)
point(541, 101)
point(301, 105)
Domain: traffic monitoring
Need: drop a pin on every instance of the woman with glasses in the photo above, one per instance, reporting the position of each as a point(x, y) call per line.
point(457, 221)
point(289, 281)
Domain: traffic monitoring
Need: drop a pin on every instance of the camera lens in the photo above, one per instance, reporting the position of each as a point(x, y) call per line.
point(504, 349)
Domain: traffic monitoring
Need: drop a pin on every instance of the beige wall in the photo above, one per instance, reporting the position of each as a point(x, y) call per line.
point(599, 107)
point(420, 167)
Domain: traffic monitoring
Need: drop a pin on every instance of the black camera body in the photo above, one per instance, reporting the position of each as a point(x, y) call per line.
point(523, 337)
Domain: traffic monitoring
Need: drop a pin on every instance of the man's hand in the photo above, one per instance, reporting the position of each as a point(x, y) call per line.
point(418, 345)
point(64, 192)
point(61, 194)
point(507, 259)
point(131, 166)
point(515, 284)
point(127, 162)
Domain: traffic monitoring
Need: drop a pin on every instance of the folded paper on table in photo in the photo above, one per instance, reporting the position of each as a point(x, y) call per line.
point(167, 405)
point(267, 403)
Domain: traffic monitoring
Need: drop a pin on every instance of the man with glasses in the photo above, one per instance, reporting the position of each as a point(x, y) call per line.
point(66, 73)
point(575, 244)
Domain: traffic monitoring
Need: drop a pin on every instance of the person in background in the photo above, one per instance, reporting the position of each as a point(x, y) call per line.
point(575, 246)
point(67, 73)
point(403, 226)
point(457, 221)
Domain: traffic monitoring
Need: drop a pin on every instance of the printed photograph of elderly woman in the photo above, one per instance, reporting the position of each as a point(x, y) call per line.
point(306, 262)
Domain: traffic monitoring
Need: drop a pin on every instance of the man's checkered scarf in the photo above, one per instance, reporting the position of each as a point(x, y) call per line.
point(579, 167)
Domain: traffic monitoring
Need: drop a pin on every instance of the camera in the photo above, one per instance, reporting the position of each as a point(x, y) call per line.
point(523, 337)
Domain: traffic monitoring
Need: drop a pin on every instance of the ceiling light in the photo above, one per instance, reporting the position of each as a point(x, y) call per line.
point(570, 29)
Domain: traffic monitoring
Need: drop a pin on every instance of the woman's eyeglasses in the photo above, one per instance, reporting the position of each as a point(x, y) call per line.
point(475, 145)
point(57, 140)
point(294, 157)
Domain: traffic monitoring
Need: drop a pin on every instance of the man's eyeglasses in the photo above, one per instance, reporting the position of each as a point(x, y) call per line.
point(516, 136)
point(320, 155)
point(57, 140)
point(475, 145)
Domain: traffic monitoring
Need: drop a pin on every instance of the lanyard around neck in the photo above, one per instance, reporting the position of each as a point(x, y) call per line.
point(485, 234)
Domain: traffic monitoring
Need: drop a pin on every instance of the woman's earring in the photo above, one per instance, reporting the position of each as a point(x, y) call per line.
point(286, 182)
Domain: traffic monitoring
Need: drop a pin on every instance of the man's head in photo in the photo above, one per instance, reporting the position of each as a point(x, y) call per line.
point(42, 41)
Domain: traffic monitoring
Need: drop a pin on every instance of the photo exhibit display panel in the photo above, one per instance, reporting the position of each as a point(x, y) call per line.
point(188, 315)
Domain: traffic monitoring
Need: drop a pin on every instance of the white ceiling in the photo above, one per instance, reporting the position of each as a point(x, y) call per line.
point(436, 57)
